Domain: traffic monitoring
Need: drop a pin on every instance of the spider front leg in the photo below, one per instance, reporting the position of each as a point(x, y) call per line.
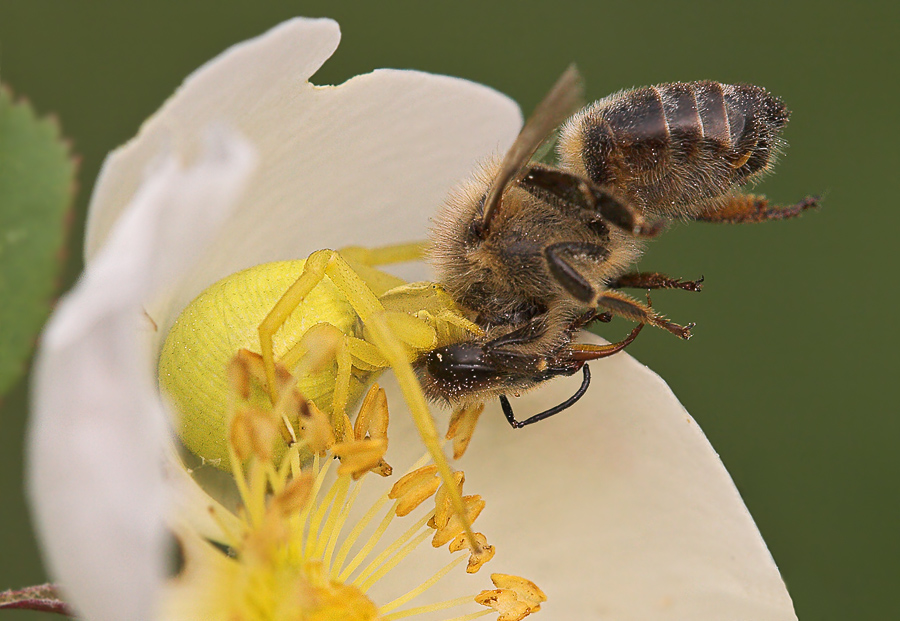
point(392, 348)
point(384, 255)
point(312, 274)
point(395, 335)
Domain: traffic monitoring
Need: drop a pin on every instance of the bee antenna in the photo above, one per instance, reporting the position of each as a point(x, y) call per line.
point(518, 424)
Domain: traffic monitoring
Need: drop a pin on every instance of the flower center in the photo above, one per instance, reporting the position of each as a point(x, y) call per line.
point(292, 550)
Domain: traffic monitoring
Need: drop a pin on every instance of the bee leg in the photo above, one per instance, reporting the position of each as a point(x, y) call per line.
point(753, 208)
point(580, 353)
point(654, 280)
point(585, 351)
point(518, 424)
point(624, 305)
point(561, 259)
point(582, 195)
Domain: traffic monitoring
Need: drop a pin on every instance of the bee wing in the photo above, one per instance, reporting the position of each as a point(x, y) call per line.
point(560, 103)
point(584, 195)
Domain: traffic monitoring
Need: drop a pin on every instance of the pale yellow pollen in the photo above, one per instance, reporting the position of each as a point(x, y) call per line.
point(505, 602)
point(315, 350)
point(526, 590)
point(372, 420)
point(295, 496)
point(462, 426)
point(314, 428)
point(443, 508)
point(359, 456)
point(454, 526)
point(413, 489)
point(477, 558)
point(254, 432)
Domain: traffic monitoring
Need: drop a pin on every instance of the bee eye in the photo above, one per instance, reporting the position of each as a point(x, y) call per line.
point(462, 360)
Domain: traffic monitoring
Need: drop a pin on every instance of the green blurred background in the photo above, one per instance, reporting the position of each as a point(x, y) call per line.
point(789, 369)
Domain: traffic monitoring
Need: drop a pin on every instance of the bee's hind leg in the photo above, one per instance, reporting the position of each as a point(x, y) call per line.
point(624, 305)
point(743, 208)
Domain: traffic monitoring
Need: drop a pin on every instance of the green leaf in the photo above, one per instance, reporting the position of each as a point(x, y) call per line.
point(36, 188)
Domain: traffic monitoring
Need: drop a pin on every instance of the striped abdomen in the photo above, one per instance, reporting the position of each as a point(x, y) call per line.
point(671, 148)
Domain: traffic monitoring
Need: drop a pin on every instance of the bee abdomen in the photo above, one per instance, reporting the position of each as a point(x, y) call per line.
point(671, 146)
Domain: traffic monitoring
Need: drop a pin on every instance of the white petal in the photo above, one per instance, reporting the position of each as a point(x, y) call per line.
point(367, 162)
point(193, 507)
point(98, 431)
point(618, 508)
point(234, 86)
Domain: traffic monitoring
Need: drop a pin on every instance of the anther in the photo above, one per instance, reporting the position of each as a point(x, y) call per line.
point(359, 456)
point(527, 590)
point(477, 557)
point(454, 526)
point(462, 426)
point(313, 427)
point(414, 488)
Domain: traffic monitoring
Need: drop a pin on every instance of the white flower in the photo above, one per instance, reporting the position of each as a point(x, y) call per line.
point(618, 508)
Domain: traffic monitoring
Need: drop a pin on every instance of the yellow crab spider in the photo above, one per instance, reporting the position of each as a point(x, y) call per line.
point(382, 322)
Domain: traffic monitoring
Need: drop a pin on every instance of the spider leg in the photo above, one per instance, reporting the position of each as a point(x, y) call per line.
point(381, 330)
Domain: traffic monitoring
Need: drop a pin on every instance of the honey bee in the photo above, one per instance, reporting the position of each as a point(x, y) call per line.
point(533, 252)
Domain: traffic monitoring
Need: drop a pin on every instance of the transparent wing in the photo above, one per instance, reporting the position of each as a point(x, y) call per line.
point(561, 102)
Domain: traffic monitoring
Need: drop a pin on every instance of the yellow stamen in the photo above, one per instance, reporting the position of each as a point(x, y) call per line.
point(478, 557)
point(422, 587)
point(526, 590)
point(287, 548)
point(392, 562)
point(373, 418)
point(454, 526)
point(387, 552)
point(462, 426)
point(337, 507)
point(315, 521)
point(359, 456)
point(506, 603)
point(368, 547)
point(314, 427)
point(414, 489)
point(443, 506)
point(362, 524)
point(338, 525)
point(450, 603)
